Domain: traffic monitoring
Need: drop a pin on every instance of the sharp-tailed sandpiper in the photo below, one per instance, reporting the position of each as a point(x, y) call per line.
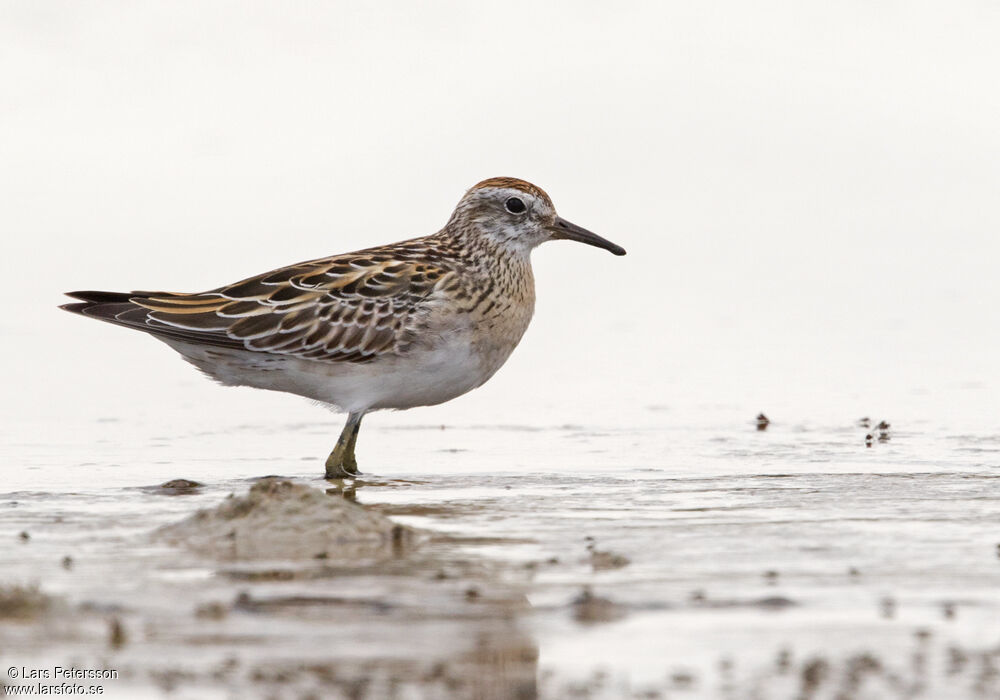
point(410, 324)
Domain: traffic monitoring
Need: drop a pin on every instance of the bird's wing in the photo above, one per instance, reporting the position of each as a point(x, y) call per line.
point(347, 308)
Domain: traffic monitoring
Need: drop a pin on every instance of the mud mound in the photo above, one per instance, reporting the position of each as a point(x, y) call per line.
point(279, 519)
point(22, 602)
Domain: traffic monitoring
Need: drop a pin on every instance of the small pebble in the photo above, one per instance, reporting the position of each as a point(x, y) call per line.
point(24, 536)
point(956, 660)
point(116, 633)
point(590, 608)
point(211, 611)
point(682, 679)
point(602, 561)
point(180, 484)
point(784, 661)
point(814, 673)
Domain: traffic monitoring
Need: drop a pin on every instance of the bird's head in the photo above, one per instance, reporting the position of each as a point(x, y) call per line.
point(518, 216)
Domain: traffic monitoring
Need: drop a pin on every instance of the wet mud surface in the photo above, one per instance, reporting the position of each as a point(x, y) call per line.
point(726, 561)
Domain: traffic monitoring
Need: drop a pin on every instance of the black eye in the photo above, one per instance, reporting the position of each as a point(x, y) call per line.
point(514, 206)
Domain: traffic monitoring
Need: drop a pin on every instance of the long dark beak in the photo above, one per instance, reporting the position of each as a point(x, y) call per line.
point(564, 229)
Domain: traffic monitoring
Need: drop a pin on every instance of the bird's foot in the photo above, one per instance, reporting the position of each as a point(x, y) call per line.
point(341, 466)
point(339, 471)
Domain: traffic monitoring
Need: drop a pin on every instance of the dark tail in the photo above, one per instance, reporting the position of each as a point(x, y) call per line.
point(107, 306)
point(101, 297)
point(119, 309)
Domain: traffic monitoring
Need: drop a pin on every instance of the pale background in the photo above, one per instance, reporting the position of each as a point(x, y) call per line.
point(808, 195)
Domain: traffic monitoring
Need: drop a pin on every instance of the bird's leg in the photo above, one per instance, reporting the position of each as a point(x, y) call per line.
point(349, 461)
point(341, 462)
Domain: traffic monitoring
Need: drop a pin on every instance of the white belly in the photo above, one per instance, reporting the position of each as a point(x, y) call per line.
point(422, 378)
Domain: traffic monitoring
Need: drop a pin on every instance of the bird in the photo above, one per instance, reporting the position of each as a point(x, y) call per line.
point(414, 323)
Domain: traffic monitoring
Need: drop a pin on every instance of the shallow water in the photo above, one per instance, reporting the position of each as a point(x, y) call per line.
point(679, 555)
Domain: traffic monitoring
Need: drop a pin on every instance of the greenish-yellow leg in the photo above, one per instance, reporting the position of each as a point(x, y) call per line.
point(341, 463)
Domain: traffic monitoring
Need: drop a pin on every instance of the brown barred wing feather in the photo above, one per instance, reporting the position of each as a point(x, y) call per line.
point(351, 308)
